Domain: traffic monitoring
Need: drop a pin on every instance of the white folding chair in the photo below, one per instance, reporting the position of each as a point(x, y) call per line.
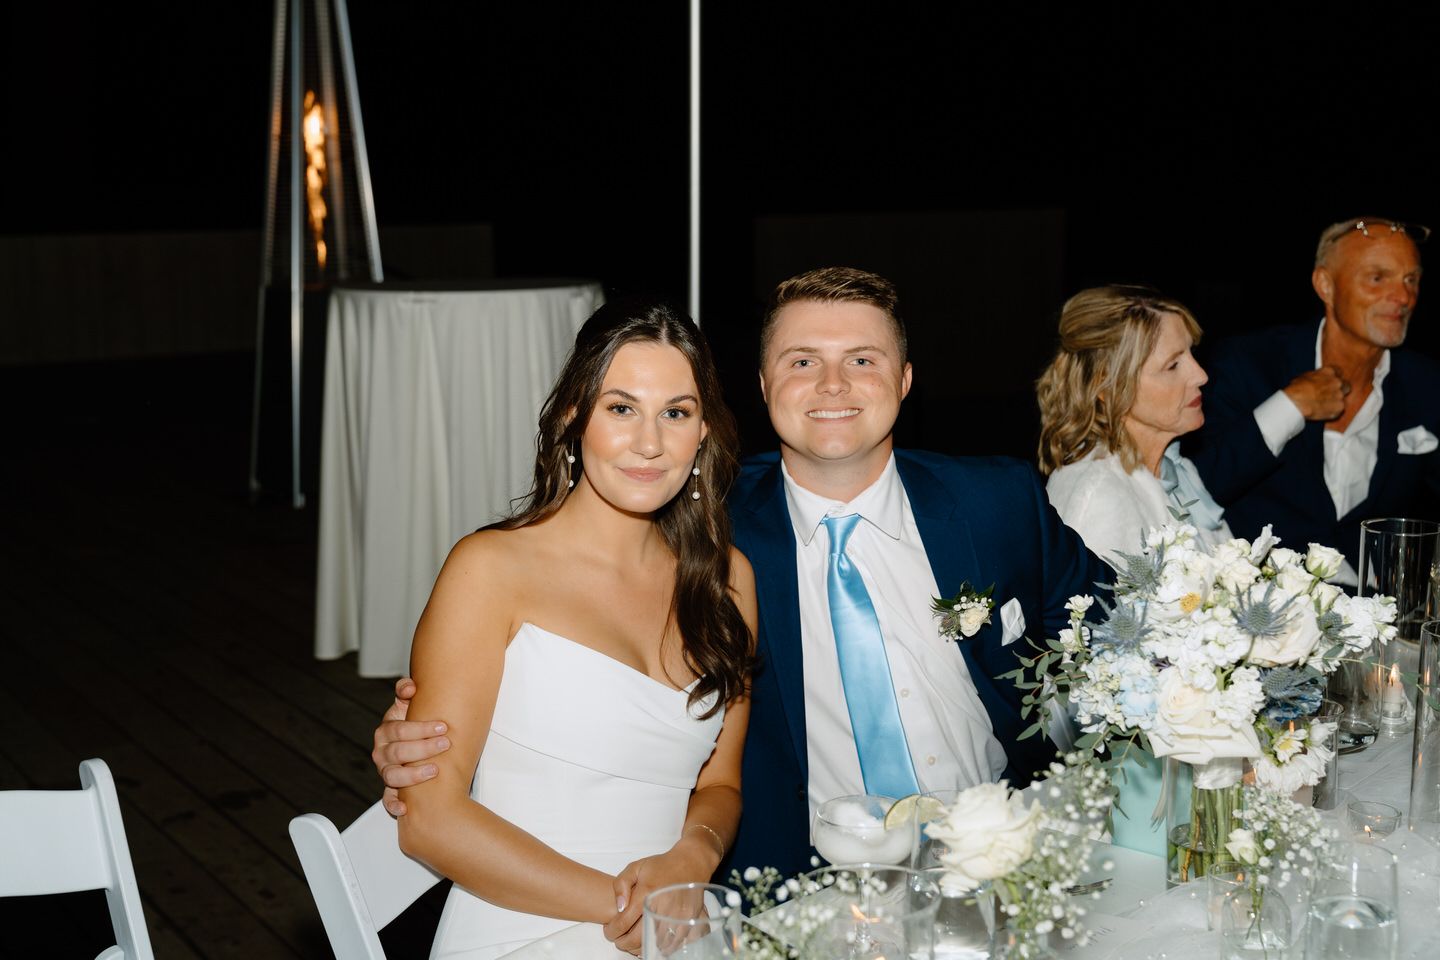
point(360, 879)
point(65, 841)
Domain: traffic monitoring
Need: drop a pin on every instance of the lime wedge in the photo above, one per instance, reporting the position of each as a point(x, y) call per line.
point(907, 809)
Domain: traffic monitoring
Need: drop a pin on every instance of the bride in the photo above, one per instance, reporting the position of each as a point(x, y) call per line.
point(591, 655)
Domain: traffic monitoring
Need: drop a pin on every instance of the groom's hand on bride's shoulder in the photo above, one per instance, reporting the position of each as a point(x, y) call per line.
point(402, 746)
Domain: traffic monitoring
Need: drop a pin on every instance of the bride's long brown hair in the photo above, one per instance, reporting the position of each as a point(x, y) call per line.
point(716, 641)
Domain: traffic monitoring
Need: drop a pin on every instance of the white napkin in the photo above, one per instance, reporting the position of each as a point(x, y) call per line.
point(1012, 622)
point(1417, 440)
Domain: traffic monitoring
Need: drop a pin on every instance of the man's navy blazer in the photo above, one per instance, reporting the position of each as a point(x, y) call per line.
point(1289, 492)
point(982, 520)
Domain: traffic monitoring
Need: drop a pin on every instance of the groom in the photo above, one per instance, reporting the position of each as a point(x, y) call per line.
point(834, 373)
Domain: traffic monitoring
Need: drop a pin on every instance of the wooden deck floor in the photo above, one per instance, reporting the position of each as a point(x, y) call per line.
point(154, 618)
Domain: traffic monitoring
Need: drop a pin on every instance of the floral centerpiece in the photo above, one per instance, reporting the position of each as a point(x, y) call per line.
point(1215, 658)
point(1033, 854)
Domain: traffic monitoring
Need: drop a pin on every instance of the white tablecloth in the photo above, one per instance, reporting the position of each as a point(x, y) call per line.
point(431, 402)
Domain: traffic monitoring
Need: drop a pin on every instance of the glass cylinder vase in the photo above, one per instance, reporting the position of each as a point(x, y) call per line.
point(1425, 757)
point(1201, 803)
point(1398, 559)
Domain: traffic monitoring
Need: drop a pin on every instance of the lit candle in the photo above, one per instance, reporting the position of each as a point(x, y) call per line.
point(1394, 698)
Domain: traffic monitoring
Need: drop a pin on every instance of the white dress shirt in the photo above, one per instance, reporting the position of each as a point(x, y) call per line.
point(1350, 455)
point(946, 726)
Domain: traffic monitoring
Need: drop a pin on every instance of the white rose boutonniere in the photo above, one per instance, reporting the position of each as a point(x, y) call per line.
point(964, 614)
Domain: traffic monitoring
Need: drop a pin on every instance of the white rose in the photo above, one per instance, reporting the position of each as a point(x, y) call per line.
point(1324, 562)
point(1325, 594)
point(989, 832)
point(1186, 727)
point(1294, 579)
point(1282, 557)
point(972, 619)
point(1231, 550)
point(1235, 575)
point(1295, 644)
point(1242, 846)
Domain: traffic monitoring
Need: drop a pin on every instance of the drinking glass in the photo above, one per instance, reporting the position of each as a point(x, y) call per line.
point(852, 830)
point(1397, 559)
point(1425, 756)
point(867, 911)
point(1353, 905)
point(696, 921)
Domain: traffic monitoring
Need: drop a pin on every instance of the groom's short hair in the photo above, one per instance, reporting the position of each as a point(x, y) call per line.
point(835, 285)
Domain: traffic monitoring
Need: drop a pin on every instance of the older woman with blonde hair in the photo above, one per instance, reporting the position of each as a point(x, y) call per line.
point(1123, 387)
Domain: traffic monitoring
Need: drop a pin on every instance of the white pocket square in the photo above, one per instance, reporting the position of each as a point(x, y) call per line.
point(1012, 622)
point(1417, 440)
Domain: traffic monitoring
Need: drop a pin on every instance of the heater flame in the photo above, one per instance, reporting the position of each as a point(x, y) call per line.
point(313, 128)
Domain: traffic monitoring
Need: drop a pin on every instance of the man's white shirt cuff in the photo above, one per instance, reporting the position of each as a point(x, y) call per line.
point(1280, 421)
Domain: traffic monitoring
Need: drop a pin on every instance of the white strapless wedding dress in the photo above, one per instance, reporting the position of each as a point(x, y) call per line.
point(594, 758)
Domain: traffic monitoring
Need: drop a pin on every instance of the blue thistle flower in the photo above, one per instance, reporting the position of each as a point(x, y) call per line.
point(1124, 628)
point(1141, 573)
point(1292, 692)
point(1260, 617)
point(1332, 627)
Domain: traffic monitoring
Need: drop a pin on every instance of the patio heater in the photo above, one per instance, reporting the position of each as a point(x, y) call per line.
point(319, 210)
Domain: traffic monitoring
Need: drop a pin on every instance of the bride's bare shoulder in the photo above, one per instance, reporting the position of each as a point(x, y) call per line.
point(498, 554)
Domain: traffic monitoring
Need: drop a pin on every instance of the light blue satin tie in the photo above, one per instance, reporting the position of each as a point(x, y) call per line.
point(865, 672)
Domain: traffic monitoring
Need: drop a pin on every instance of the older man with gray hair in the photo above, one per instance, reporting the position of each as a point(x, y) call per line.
point(1315, 428)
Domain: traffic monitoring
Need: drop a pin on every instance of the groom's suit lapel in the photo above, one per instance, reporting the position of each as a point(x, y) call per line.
point(772, 540)
point(948, 544)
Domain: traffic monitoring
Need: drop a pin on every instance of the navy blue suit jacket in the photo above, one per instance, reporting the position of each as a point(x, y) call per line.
point(1289, 491)
point(982, 520)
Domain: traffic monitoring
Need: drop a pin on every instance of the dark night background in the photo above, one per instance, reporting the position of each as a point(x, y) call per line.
point(1201, 154)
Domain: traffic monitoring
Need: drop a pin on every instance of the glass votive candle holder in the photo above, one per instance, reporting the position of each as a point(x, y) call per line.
point(1222, 879)
point(1372, 820)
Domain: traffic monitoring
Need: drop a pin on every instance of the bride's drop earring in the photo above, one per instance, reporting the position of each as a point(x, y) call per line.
point(695, 494)
point(570, 458)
